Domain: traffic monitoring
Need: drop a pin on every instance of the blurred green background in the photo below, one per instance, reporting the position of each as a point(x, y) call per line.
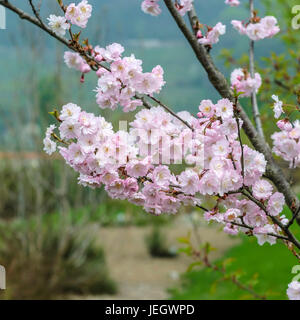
point(58, 239)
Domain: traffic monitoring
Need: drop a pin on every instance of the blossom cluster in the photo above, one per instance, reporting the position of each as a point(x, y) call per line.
point(286, 142)
point(212, 35)
point(80, 14)
point(74, 14)
point(152, 7)
point(266, 28)
point(241, 80)
point(125, 79)
point(134, 165)
point(122, 81)
point(75, 61)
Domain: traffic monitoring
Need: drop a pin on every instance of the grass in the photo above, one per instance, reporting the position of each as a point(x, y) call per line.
point(270, 264)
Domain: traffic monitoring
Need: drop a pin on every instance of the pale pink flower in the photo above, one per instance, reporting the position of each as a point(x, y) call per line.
point(70, 111)
point(293, 290)
point(244, 83)
point(58, 24)
point(277, 106)
point(232, 214)
point(184, 6)
point(276, 203)
point(262, 235)
point(206, 108)
point(262, 189)
point(151, 7)
point(224, 109)
point(49, 145)
point(137, 168)
point(189, 182)
point(213, 35)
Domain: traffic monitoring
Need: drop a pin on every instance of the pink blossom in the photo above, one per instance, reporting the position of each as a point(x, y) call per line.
point(277, 106)
point(262, 189)
point(284, 125)
point(256, 218)
point(293, 290)
point(184, 6)
point(232, 3)
point(286, 144)
point(224, 109)
point(275, 204)
point(137, 168)
point(232, 214)
point(189, 182)
point(69, 129)
point(151, 7)
point(231, 229)
point(58, 24)
point(213, 34)
point(49, 145)
point(206, 108)
point(161, 176)
point(80, 14)
point(242, 82)
point(262, 235)
point(238, 25)
point(75, 61)
point(265, 28)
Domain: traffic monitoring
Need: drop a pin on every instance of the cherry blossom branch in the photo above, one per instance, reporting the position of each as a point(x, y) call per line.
point(218, 80)
point(243, 225)
point(74, 46)
point(255, 109)
point(273, 172)
point(285, 229)
point(171, 112)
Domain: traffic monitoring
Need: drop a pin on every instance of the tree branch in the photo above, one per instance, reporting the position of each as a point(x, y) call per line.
point(255, 109)
point(218, 80)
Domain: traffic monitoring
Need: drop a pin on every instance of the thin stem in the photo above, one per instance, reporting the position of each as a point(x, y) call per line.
point(35, 12)
point(285, 229)
point(171, 112)
point(243, 225)
point(255, 109)
point(242, 148)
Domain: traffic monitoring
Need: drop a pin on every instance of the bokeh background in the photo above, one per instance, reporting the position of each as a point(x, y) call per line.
point(60, 240)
